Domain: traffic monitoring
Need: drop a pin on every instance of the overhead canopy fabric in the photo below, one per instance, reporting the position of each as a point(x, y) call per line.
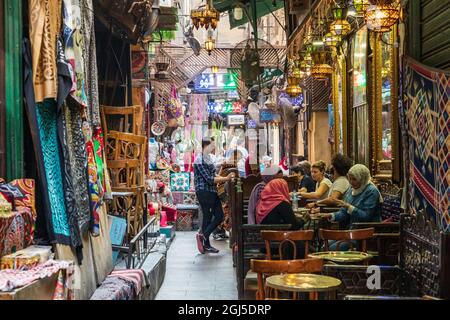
point(263, 7)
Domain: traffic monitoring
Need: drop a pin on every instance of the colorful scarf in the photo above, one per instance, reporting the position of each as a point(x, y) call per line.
point(275, 192)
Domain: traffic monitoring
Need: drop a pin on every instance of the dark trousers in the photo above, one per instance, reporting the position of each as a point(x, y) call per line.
point(212, 212)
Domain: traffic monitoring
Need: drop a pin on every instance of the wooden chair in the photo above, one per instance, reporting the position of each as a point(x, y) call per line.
point(347, 236)
point(119, 118)
point(265, 268)
point(286, 238)
point(128, 192)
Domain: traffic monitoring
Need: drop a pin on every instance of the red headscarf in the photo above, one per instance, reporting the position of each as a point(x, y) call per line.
point(273, 194)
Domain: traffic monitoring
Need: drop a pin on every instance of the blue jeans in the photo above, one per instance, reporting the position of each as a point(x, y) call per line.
point(212, 212)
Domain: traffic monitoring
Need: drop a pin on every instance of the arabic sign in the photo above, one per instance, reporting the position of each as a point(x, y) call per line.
point(215, 81)
point(268, 115)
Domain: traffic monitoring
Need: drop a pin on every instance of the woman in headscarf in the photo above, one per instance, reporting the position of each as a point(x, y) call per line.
point(362, 202)
point(274, 207)
point(267, 175)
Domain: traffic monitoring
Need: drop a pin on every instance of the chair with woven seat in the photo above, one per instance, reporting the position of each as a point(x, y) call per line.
point(266, 268)
point(347, 236)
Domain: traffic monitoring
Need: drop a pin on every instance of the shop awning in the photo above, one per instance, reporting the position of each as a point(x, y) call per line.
point(263, 7)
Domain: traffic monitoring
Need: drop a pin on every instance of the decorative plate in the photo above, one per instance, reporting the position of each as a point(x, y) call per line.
point(158, 128)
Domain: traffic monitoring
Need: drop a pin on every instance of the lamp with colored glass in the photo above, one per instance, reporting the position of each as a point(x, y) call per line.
point(214, 69)
point(210, 44)
point(293, 89)
point(205, 16)
point(321, 70)
point(331, 40)
point(361, 6)
point(381, 17)
point(340, 25)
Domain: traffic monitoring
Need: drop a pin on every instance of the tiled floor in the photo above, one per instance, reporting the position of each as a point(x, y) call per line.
point(194, 276)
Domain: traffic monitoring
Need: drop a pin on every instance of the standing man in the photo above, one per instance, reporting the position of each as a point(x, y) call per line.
point(205, 179)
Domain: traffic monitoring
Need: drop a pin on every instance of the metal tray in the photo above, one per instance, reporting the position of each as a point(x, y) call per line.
point(341, 256)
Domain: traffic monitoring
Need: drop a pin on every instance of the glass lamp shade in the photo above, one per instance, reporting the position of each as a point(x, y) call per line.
point(381, 18)
point(215, 69)
point(361, 6)
point(210, 45)
point(331, 40)
point(340, 27)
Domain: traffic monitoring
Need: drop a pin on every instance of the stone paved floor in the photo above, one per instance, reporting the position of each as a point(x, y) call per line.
point(194, 276)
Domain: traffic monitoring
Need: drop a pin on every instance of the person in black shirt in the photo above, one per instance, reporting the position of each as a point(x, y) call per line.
point(274, 206)
point(306, 183)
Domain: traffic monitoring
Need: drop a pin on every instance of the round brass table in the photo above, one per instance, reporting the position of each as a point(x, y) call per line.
point(342, 257)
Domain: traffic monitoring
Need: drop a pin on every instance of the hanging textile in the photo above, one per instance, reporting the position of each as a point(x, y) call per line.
point(90, 61)
point(78, 163)
point(45, 21)
point(427, 111)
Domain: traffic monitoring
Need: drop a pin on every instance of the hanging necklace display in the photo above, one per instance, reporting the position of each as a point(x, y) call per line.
point(158, 127)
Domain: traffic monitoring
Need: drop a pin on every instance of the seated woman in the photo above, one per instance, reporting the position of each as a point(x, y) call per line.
point(274, 207)
point(362, 203)
point(267, 175)
point(322, 184)
point(340, 165)
point(305, 182)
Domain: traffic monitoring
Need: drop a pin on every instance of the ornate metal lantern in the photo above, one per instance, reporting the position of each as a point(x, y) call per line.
point(215, 69)
point(331, 40)
point(210, 44)
point(321, 70)
point(381, 17)
point(205, 16)
point(293, 89)
point(340, 25)
point(361, 6)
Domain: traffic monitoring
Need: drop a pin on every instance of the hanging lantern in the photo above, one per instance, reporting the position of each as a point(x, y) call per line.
point(205, 16)
point(331, 40)
point(381, 18)
point(321, 70)
point(340, 25)
point(361, 6)
point(214, 69)
point(210, 45)
point(293, 89)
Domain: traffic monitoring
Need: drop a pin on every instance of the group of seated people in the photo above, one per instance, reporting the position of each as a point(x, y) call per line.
point(351, 191)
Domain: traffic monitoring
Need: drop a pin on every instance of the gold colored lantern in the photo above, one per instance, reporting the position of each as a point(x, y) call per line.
point(293, 89)
point(361, 6)
point(215, 69)
point(340, 25)
point(210, 45)
point(205, 16)
point(321, 70)
point(331, 40)
point(381, 18)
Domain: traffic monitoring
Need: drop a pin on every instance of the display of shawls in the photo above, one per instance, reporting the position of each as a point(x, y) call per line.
point(28, 199)
point(198, 109)
point(114, 288)
point(11, 279)
point(427, 111)
point(16, 231)
point(45, 21)
point(78, 163)
point(137, 276)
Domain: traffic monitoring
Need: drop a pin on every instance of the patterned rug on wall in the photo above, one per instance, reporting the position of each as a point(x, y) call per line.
point(427, 111)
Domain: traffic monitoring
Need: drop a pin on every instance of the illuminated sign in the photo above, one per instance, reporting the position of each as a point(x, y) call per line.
point(215, 81)
point(225, 107)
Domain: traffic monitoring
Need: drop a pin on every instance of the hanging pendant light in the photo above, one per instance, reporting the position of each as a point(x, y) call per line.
point(340, 25)
point(382, 16)
point(331, 40)
point(321, 70)
point(215, 69)
point(205, 16)
point(293, 89)
point(361, 6)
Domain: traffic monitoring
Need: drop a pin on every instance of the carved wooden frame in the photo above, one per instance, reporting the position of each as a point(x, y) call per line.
point(341, 67)
point(383, 169)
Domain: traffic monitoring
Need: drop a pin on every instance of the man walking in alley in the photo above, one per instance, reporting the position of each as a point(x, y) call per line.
point(205, 179)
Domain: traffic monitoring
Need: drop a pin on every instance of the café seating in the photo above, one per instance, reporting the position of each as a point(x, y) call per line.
point(265, 268)
point(286, 239)
point(347, 236)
